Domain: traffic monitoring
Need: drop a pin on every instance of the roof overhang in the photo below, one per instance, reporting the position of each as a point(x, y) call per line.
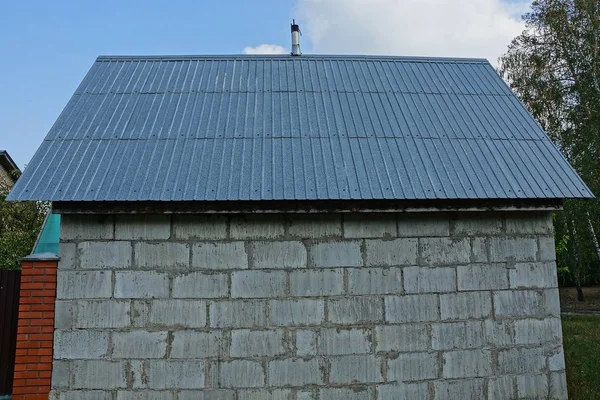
point(303, 207)
point(8, 163)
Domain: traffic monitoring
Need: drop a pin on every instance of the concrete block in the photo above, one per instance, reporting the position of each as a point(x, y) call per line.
point(459, 389)
point(415, 308)
point(316, 226)
point(98, 374)
point(467, 364)
point(258, 284)
point(178, 313)
point(354, 393)
point(359, 226)
point(525, 303)
point(279, 255)
point(67, 253)
point(144, 395)
point(306, 343)
point(402, 338)
point(165, 256)
point(458, 335)
point(445, 251)
point(482, 277)
point(143, 226)
point(257, 227)
point(85, 344)
point(355, 369)
point(266, 394)
point(335, 254)
point(297, 312)
point(344, 341)
point(295, 372)
point(355, 310)
point(403, 391)
point(200, 227)
point(468, 305)
point(84, 395)
point(558, 386)
point(499, 333)
point(237, 374)
point(534, 331)
point(533, 275)
point(532, 386)
point(104, 255)
point(83, 285)
point(503, 387)
point(479, 250)
point(529, 223)
point(206, 394)
point(138, 374)
point(61, 373)
point(140, 313)
point(163, 374)
point(556, 361)
point(86, 227)
point(63, 315)
point(139, 344)
point(306, 396)
point(201, 286)
point(375, 281)
point(469, 224)
point(105, 314)
point(391, 253)
point(504, 249)
point(429, 280)
point(423, 225)
point(551, 301)
point(190, 344)
point(521, 361)
point(141, 285)
point(546, 248)
point(413, 367)
point(328, 282)
point(246, 343)
point(219, 256)
point(238, 314)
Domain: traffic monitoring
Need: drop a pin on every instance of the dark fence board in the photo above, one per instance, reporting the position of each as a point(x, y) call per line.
point(10, 283)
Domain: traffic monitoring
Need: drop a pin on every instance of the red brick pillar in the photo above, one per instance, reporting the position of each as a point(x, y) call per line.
point(35, 332)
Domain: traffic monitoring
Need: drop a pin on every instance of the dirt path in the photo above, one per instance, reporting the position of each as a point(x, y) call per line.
point(590, 305)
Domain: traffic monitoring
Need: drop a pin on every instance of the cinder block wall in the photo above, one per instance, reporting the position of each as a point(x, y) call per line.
point(362, 306)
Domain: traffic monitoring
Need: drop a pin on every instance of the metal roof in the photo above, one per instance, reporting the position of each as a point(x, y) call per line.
point(295, 128)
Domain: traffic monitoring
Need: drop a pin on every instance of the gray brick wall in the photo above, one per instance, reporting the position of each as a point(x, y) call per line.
point(308, 307)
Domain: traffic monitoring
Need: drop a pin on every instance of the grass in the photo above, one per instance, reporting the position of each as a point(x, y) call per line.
point(581, 339)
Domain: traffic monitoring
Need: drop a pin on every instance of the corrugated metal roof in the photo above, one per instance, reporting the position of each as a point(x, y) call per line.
point(295, 128)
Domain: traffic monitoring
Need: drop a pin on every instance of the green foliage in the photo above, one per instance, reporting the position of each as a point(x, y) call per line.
point(554, 67)
point(20, 224)
point(580, 339)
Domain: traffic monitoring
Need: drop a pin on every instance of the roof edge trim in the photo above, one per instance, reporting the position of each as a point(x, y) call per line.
point(348, 57)
point(302, 207)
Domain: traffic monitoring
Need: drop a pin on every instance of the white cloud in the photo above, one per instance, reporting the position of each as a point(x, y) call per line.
point(453, 28)
point(265, 49)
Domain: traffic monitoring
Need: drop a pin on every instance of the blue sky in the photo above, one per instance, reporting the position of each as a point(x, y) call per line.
point(48, 46)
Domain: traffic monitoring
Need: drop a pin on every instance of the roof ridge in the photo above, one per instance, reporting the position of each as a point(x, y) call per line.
point(348, 57)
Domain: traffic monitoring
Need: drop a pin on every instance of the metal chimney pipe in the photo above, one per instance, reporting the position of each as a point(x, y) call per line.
point(296, 39)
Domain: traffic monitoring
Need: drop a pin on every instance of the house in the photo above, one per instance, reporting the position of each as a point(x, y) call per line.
point(303, 227)
point(9, 172)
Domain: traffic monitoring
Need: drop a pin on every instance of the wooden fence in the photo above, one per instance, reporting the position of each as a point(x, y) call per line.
point(10, 282)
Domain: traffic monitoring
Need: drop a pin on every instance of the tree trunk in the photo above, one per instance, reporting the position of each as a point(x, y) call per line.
point(577, 278)
point(594, 237)
point(579, 293)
